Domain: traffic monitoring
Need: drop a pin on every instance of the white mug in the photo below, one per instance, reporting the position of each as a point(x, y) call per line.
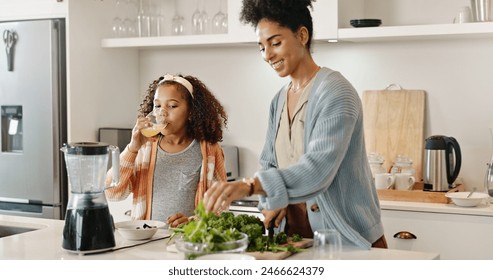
point(384, 180)
point(404, 181)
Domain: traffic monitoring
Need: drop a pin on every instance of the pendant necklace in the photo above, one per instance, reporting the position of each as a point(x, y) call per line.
point(305, 83)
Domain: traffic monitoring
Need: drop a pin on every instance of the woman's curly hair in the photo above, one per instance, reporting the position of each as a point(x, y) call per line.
point(291, 14)
point(207, 115)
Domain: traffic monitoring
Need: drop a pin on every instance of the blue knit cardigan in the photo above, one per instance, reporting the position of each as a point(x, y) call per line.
point(334, 170)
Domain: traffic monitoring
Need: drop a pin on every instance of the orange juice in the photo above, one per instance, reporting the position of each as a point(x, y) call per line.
point(149, 132)
point(153, 131)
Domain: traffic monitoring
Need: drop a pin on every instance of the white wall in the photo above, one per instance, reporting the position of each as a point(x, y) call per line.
point(455, 73)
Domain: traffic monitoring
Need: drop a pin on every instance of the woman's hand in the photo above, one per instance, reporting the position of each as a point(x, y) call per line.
point(273, 215)
point(221, 194)
point(176, 220)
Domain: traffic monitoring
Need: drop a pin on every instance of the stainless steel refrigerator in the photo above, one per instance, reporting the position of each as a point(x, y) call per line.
point(33, 180)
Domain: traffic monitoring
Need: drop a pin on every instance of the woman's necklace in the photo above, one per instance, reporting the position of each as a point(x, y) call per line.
point(305, 83)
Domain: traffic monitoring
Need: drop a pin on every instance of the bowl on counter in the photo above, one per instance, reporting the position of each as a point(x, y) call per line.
point(461, 199)
point(195, 250)
point(139, 229)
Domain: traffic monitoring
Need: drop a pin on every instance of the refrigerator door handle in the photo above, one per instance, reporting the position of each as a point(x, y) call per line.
point(9, 38)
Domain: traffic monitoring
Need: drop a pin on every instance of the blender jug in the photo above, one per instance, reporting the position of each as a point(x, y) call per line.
point(88, 223)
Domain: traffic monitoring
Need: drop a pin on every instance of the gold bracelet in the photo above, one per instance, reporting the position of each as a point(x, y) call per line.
point(251, 183)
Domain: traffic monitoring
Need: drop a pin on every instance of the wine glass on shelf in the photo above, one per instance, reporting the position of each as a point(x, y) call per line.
point(177, 27)
point(152, 18)
point(196, 21)
point(204, 19)
point(160, 17)
point(224, 24)
point(219, 20)
point(143, 19)
point(117, 23)
point(128, 22)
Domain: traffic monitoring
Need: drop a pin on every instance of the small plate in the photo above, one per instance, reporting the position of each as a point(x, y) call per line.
point(226, 256)
point(365, 22)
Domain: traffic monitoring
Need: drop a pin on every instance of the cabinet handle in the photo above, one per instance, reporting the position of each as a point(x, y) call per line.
point(405, 235)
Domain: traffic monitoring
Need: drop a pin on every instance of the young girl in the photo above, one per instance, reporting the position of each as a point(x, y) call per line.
point(168, 174)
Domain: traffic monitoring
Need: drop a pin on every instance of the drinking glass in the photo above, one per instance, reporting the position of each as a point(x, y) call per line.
point(177, 27)
point(220, 21)
point(196, 21)
point(117, 28)
point(143, 19)
point(160, 18)
point(128, 22)
point(327, 244)
point(204, 19)
point(157, 123)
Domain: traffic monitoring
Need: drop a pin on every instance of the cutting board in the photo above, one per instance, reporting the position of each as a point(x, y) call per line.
point(305, 243)
point(394, 125)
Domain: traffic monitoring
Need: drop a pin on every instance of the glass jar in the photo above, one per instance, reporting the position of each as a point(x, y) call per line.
point(376, 164)
point(403, 164)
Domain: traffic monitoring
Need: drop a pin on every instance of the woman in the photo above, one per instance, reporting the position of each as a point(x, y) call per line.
point(315, 172)
point(169, 174)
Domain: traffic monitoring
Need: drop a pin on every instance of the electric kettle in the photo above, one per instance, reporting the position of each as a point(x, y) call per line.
point(442, 163)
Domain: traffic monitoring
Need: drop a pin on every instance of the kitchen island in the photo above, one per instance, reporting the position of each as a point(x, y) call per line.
point(44, 243)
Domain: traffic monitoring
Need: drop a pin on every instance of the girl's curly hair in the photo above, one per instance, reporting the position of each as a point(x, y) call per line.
point(291, 14)
point(207, 115)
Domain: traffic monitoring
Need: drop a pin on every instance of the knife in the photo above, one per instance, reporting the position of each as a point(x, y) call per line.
point(271, 230)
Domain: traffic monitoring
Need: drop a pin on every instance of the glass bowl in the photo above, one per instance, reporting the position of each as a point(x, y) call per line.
point(194, 250)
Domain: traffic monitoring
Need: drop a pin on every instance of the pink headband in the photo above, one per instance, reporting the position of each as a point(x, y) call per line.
point(184, 82)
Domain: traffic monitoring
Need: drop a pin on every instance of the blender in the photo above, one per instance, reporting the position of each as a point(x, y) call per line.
point(88, 224)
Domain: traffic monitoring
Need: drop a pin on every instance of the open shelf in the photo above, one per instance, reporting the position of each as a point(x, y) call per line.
point(176, 41)
point(432, 31)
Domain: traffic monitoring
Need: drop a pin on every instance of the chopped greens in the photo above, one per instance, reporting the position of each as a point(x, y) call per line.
point(216, 229)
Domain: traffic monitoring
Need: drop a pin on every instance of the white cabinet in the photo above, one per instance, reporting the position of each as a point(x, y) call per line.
point(407, 19)
point(453, 236)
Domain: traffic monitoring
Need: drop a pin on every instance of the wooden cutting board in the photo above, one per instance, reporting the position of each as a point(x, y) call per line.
point(394, 125)
point(305, 243)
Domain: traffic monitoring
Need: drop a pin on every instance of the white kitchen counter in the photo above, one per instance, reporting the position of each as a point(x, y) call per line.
point(484, 209)
point(45, 244)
